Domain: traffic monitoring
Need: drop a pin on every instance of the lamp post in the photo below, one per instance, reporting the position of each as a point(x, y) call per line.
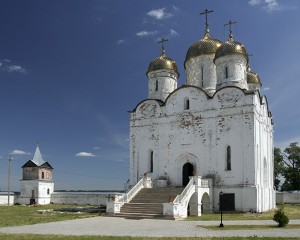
point(8, 182)
point(221, 208)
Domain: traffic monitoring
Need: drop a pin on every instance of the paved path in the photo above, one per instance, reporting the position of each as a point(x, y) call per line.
point(112, 226)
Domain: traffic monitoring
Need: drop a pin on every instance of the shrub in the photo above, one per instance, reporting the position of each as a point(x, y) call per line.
point(280, 217)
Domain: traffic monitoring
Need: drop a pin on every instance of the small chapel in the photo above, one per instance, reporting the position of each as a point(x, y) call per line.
point(36, 185)
point(205, 146)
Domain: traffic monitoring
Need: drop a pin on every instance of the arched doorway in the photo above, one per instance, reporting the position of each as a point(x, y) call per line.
point(205, 203)
point(187, 170)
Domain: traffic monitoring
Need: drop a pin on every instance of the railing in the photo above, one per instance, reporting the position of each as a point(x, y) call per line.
point(132, 192)
point(185, 193)
point(204, 183)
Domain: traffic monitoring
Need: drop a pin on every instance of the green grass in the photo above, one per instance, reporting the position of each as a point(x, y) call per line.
point(292, 211)
point(59, 237)
point(26, 215)
point(251, 227)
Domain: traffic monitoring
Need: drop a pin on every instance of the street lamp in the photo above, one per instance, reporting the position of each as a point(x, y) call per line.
point(221, 208)
point(8, 182)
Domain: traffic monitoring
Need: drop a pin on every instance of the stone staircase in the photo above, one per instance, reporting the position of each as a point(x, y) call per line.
point(148, 203)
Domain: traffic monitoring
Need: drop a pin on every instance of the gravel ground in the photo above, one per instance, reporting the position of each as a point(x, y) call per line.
point(113, 226)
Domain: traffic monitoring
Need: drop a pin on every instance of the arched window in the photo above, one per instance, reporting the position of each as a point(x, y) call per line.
point(156, 85)
point(151, 161)
point(186, 104)
point(43, 175)
point(226, 72)
point(228, 158)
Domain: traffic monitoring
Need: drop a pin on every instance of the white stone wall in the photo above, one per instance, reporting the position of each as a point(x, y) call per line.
point(201, 72)
point(237, 75)
point(166, 82)
point(79, 198)
point(39, 188)
point(13, 198)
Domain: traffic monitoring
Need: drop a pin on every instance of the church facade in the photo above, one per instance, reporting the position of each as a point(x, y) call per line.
point(215, 126)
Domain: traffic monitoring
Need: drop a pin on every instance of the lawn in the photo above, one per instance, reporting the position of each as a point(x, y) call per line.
point(291, 210)
point(26, 215)
point(250, 227)
point(59, 237)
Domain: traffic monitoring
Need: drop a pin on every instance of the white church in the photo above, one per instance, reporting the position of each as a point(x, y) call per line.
point(211, 138)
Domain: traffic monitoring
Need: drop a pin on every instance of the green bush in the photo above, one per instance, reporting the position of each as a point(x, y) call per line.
point(280, 217)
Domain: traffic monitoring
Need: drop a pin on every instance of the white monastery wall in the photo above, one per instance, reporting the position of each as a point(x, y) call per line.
point(79, 198)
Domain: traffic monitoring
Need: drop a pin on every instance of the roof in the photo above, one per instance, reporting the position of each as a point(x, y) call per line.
point(30, 163)
point(37, 158)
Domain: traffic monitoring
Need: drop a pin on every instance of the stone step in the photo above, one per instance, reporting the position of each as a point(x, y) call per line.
point(142, 216)
point(148, 203)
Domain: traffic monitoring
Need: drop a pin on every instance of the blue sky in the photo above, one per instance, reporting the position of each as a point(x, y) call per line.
point(71, 70)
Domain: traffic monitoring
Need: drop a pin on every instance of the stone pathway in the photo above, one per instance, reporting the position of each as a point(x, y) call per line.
point(112, 226)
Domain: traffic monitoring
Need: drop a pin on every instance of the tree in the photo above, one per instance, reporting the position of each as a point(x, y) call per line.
point(291, 171)
point(280, 217)
point(278, 167)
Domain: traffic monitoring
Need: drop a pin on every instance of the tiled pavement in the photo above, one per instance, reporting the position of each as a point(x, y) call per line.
point(113, 226)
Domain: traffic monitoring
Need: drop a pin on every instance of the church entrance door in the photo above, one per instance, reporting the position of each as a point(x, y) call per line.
point(187, 170)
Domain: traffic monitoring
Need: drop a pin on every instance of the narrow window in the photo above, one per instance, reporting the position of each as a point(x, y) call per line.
point(156, 85)
point(151, 161)
point(48, 191)
point(226, 72)
point(186, 104)
point(265, 173)
point(202, 75)
point(43, 175)
point(228, 158)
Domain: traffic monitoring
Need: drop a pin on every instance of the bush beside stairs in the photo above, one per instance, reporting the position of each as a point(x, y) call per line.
point(148, 203)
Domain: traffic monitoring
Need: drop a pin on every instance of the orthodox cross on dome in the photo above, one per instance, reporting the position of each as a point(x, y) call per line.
point(206, 11)
point(162, 45)
point(230, 30)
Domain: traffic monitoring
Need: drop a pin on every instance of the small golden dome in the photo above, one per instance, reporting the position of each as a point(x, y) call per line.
point(231, 47)
point(253, 77)
point(204, 46)
point(163, 63)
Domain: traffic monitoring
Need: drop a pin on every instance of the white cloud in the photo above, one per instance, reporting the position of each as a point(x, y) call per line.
point(272, 5)
point(84, 154)
point(19, 152)
point(146, 33)
point(16, 68)
point(6, 66)
point(254, 2)
point(268, 5)
point(96, 148)
point(266, 89)
point(159, 14)
point(173, 33)
point(120, 41)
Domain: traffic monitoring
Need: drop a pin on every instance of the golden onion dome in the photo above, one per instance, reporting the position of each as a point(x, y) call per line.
point(162, 63)
point(204, 46)
point(253, 77)
point(230, 48)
